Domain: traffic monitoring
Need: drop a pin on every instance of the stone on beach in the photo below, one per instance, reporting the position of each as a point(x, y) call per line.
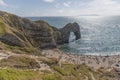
point(93, 61)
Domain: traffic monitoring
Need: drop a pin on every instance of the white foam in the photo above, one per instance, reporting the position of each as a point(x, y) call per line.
point(100, 54)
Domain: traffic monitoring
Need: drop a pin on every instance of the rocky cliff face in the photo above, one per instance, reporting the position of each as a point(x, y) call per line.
point(16, 31)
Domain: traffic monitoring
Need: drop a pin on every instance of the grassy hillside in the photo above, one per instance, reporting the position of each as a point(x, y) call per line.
point(19, 61)
point(66, 73)
point(15, 74)
point(25, 33)
point(25, 38)
point(3, 27)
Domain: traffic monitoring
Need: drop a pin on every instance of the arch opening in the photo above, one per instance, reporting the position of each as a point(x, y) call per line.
point(72, 37)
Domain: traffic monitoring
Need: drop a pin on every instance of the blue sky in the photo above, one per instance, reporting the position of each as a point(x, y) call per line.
point(61, 7)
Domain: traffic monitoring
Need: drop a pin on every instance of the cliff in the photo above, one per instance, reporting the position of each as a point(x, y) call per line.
point(17, 31)
point(29, 37)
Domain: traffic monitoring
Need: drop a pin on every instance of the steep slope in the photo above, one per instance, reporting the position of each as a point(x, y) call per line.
point(17, 31)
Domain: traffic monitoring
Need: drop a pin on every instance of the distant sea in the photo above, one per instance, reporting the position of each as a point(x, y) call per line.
point(100, 34)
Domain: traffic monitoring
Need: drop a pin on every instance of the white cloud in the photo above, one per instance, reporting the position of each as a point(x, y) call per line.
point(77, 7)
point(102, 7)
point(60, 11)
point(2, 3)
point(96, 7)
point(67, 4)
point(50, 1)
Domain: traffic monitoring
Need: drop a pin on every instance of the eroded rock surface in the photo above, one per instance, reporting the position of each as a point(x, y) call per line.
point(17, 31)
point(65, 32)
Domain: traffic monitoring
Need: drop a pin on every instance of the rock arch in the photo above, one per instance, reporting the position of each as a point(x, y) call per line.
point(16, 31)
point(65, 32)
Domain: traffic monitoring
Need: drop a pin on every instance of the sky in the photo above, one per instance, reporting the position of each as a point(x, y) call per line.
point(61, 7)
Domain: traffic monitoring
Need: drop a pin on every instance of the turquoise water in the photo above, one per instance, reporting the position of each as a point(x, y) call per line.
point(100, 35)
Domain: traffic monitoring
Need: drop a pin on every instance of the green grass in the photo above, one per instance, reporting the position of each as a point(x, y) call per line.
point(14, 74)
point(22, 50)
point(60, 70)
point(70, 72)
point(2, 28)
point(66, 72)
point(22, 62)
point(50, 77)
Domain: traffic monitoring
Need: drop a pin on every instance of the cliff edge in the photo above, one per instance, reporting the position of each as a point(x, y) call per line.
point(17, 31)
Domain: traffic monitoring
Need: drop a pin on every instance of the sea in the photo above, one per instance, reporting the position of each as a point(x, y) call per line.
point(100, 34)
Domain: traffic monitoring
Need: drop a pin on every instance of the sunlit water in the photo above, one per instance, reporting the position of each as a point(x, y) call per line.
point(100, 35)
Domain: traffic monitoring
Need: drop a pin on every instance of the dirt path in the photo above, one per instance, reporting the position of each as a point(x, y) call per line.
point(4, 55)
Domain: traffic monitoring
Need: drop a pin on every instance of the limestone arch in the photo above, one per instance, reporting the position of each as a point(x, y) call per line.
point(71, 27)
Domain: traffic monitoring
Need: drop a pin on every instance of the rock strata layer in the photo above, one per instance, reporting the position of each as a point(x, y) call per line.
point(17, 31)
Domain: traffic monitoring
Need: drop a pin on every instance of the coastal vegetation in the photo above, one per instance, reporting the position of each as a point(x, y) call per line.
point(15, 74)
point(23, 52)
point(58, 73)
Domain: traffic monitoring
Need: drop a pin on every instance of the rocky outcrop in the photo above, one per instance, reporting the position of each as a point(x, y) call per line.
point(43, 35)
point(11, 40)
point(16, 31)
point(65, 32)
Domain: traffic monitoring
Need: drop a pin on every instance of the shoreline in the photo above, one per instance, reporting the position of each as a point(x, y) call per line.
point(106, 64)
point(94, 54)
point(93, 61)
